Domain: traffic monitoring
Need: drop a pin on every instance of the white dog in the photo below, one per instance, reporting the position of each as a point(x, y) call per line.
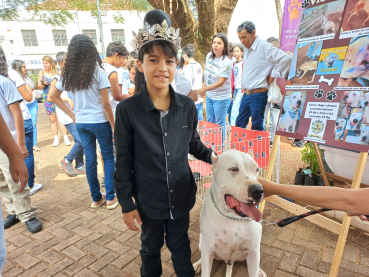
point(327, 25)
point(351, 99)
point(354, 120)
point(340, 127)
point(363, 138)
point(229, 219)
point(291, 106)
point(366, 110)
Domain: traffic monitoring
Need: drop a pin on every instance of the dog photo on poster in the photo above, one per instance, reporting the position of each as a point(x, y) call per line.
point(327, 92)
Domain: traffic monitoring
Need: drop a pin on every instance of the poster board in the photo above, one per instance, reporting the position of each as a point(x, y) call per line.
point(326, 97)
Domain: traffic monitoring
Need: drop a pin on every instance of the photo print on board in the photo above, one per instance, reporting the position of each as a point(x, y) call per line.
point(321, 22)
point(331, 60)
point(291, 111)
point(349, 100)
point(304, 63)
point(359, 137)
point(316, 130)
point(365, 106)
point(355, 70)
point(354, 121)
point(355, 21)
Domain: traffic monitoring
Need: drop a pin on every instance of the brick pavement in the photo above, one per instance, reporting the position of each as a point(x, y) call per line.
point(78, 241)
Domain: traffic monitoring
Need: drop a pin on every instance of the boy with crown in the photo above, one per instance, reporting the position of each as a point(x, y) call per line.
point(154, 132)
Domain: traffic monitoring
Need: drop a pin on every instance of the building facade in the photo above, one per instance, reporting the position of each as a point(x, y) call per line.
point(29, 40)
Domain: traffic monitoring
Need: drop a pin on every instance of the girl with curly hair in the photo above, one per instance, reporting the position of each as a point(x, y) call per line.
point(45, 77)
point(88, 84)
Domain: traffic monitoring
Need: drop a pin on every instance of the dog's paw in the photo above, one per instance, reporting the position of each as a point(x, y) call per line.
point(318, 94)
point(305, 4)
point(197, 267)
point(331, 95)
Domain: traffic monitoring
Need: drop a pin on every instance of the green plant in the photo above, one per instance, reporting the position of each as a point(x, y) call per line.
point(308, 156)
point(34, 78)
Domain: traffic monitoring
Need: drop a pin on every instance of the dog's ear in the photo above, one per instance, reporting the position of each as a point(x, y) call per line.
point(251, 152)
point(214, 160)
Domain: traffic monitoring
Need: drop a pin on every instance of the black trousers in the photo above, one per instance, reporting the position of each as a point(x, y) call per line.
point(177, 241)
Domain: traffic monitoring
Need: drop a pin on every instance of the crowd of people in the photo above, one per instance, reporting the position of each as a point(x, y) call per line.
point(140, 111)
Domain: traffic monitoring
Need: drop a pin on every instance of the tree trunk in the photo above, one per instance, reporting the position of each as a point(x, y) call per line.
point(279, 15)
point(211, 20)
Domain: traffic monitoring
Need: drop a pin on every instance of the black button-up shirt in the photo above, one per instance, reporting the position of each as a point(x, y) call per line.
point(152, 155)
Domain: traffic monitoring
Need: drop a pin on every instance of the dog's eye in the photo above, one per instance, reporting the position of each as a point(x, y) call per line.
point(234, 169)
point(257, 169)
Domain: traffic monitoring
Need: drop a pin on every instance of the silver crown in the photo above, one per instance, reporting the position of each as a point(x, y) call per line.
point(156, 32)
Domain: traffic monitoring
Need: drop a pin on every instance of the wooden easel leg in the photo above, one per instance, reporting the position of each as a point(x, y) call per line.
point(347, 220)
point(270, 167)
point(321, 165)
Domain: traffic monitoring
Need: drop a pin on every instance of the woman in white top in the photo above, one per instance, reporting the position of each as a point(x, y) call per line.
point(217, 86)
point(86, 80)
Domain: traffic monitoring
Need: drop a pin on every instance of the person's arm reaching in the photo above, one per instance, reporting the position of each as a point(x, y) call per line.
point(352, 201)
point(55, 96)
point(123, 177)
point(19, 126)
point(281, 60)
point(115, 89)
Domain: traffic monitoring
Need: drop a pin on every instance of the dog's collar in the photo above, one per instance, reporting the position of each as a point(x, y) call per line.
point(339, 130)
point(227, 216)
point(292, 113)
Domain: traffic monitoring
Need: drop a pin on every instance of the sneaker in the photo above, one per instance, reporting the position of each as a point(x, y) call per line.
point(56, 143)
point(10, 220)
point(67, 142)
point(35, 188)
point(81, 170)
point(68, 168)
point(299, 144)
point(34, 225)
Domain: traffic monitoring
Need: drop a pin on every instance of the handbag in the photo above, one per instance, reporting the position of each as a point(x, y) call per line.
point(274, 94)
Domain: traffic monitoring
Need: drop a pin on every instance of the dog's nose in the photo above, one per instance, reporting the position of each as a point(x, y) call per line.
point(355, 120)
point(364, 138)
point(299, 102)
point(337, 123)
point(346, 96)
point(256, 192)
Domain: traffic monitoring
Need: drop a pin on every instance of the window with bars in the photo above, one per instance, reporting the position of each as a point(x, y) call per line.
point(29, 37)
point(118, 34)
point(91, 34)
point(60, 37)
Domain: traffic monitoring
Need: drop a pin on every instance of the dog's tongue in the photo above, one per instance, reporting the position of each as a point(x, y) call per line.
point(251, 211)
point(352, 124)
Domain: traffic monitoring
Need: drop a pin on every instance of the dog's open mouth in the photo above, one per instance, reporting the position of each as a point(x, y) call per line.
point(243, 209)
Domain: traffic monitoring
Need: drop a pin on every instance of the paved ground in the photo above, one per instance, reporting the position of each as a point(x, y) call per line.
point(79, 241)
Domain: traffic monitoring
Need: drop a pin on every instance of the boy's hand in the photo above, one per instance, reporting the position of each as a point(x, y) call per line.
point(24, 151)
point(18, 171)
point(129, 220)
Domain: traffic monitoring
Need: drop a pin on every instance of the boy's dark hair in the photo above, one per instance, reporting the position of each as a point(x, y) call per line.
point(166, 47)
point(249, 26)
point(61, 57)
point(156, 17)
point(134, 55)
point(239, 47)
point(139, 80)
point(189, 50)
point(116, 47)
point(3, 64)
point(80, 65)
point(224, 38)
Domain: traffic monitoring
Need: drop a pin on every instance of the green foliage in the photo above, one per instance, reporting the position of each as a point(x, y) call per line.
point(34, 78)
point(308, 156)
point(50, 11)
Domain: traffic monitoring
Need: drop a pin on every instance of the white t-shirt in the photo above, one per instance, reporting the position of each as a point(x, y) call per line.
point(110, 69)
point(18, 81)
point(62, 116)
point(125, 78)
point(180, 83)
point(87, 103)
point(8, 95)
point(193, 72)
point(237, 71)
point(219, 67)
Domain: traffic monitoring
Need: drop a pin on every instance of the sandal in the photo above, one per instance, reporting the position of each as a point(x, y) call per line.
point(96, 205)
point(36, 148)
point(113, 206)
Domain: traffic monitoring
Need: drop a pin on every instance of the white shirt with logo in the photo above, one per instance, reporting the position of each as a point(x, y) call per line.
point(88, 106)
point(193, 72)
point(18, 81)
point(214, 69)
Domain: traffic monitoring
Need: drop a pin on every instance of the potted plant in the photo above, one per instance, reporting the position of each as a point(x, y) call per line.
point(311, 175)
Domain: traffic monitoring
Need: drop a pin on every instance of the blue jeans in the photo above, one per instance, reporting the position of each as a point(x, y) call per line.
point(89, 132)
point(230, 111)
point(252, 105)
point(76, 153)
point(200, 114)
point(216, 112)
point(2, 242)
point(33, 109)
point(30, 160)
